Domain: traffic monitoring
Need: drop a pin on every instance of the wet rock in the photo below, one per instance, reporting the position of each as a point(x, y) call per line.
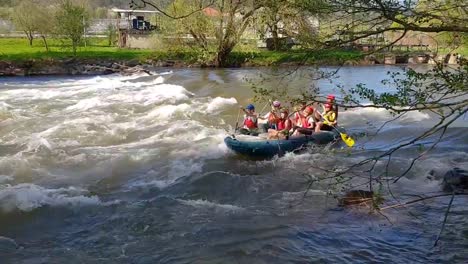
point(356, 197)
point(455, 180)
point(132, 63)
point(7, 245)
point(9, 69)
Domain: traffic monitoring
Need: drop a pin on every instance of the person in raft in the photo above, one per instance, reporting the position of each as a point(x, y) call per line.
point(331, 100)
point(272, 117)
point(305, 121)
point(299, 112)
point(250, 124)
point(284, 125)
point(328, 119)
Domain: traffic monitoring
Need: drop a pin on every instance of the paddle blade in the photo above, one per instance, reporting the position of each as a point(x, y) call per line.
point(347, 139)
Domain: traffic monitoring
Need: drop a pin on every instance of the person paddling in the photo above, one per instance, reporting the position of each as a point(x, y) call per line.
point(328, 119)
point(250, 124)
point(284, 125)
point(306, 123)
point(272, 117)
point(299, 113)
point(332, 102)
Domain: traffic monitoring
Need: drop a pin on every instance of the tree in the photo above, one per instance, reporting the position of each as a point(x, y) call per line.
point(200, 26)
point(45, 20)
point(359, 19)
point(25, 18)
point(72, 21)
point(289, 19)
point(230, 19)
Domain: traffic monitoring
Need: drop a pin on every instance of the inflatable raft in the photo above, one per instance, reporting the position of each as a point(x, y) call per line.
point(260, 146)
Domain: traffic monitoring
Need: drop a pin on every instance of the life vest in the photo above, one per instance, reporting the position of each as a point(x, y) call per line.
point(303, 121)
point(283, 124)
point(329, 117)
point(272, 118)
point(250, 123)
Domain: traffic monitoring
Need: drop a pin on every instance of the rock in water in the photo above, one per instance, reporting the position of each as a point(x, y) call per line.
point(455, 180)
point(356, 197)
point(7, 245)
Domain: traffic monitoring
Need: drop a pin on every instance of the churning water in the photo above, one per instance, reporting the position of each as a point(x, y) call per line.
point(133, 169)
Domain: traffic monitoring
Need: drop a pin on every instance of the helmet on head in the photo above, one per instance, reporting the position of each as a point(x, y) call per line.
point(331, 96)
point(250, 107)
point(309, 109)
point(276, 103)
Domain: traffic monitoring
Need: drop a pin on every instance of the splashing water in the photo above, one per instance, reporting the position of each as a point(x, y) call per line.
point(133, 169)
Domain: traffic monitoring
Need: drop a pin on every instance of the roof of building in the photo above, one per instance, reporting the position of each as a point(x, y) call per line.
point(209, 11)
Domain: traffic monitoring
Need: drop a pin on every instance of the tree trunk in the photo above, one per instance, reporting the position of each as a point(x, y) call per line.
point(274, 33)
point(45, 43)
point(30, 37)
point(74, 45)
point(223, 55)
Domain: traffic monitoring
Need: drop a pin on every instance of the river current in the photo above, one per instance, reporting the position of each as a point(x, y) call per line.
point(133, 169)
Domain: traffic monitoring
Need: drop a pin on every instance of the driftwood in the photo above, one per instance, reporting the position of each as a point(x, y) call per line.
point(356, 197)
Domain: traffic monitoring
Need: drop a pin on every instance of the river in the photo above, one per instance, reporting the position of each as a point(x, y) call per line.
point(133, 169)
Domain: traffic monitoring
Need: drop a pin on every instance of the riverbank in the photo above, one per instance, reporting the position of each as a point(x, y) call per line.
point(97, 62)
point(17, 58)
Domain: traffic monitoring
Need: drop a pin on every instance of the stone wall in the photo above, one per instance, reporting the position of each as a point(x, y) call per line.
point(141, 41)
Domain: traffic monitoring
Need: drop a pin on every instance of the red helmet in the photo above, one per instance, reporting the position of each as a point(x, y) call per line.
point(309, 109)
point(331, 96)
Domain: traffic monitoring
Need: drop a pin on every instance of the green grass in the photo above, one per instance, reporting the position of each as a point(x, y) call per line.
point(268, 58)
point(463, 50)
point(18, 49)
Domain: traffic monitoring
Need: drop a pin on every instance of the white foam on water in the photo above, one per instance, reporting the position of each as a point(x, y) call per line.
point(113, 123)
point(181, 167)
point(5, 178)
point(27, 197)
point(205, 204)
point(4, 106)
point(365, 114)
point(86, 104)
point(218, 104)
point(145, 183)
point(155, 94)
point(168, 111)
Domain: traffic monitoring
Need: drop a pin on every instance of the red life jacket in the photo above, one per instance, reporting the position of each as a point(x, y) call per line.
point(249, 123)
point(283, 124)
point(305, 121)
point(302, 120)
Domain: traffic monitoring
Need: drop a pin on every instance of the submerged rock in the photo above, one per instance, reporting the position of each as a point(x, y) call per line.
point(455, 179)
point(356, 197)
point(7, 245)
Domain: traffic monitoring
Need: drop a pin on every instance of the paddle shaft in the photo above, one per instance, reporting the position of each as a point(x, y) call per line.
point(237, 122)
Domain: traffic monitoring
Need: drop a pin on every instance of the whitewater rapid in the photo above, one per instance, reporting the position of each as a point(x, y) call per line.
point(133, 169)
point(71, 133)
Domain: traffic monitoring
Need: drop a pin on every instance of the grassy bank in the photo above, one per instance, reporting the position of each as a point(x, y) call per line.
point(18, 49)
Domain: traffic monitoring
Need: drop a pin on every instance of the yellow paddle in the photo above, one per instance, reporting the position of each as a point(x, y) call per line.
point(346, 139)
